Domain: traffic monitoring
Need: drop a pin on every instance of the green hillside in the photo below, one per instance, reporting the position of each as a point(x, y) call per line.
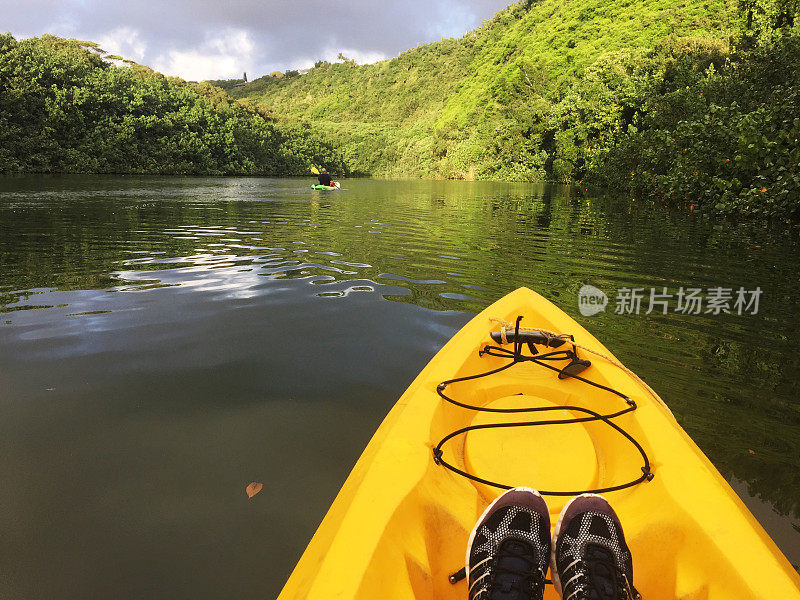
point(691, 102)
point(469, 107)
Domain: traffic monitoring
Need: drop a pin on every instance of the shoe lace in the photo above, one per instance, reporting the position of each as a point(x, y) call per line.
point(507, 575)
point(598, 578)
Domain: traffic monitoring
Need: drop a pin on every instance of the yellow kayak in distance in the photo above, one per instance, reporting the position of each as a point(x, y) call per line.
point(537, 402)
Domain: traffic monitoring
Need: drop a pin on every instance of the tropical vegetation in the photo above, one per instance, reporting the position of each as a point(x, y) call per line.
point(688, 101)
point(691, 102)
point(67, 106)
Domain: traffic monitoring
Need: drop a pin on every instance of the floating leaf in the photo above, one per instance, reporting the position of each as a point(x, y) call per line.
point(253, 489)
point(751, 451)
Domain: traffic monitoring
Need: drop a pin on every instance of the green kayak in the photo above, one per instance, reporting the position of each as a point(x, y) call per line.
point(333, 187)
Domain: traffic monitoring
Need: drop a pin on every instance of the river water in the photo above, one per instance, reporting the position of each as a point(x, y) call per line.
point(165, 341)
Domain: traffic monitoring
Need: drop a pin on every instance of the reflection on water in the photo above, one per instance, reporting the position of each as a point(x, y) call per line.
point(166, 341)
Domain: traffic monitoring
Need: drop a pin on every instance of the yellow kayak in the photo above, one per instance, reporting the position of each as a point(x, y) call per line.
point(536, 402)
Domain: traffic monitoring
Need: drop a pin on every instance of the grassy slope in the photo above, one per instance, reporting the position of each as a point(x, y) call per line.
point(447, 108)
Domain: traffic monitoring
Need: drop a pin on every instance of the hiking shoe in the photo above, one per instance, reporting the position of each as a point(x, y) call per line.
point(591, 560)
point(509, 548)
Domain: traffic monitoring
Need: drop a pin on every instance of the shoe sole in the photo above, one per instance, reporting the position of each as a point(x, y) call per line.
point(554, 545)
point(479, 522)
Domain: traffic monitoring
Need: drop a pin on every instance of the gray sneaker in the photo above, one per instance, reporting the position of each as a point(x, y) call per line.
point(591, 560)
point(509, 548)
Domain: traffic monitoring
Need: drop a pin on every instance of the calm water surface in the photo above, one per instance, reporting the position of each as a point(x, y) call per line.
point(164, 342)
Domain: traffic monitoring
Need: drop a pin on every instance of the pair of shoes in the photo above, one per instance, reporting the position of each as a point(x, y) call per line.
point(509, 550)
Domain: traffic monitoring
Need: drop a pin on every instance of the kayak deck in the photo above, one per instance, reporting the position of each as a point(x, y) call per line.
point(399, 526)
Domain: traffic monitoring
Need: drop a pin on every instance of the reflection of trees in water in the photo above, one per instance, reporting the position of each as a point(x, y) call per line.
point(731, 381)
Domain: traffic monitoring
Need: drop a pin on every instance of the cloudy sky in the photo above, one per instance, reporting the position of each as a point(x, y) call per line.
point(214, 39)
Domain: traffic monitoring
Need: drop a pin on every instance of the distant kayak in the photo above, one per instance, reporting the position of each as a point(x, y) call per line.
point(330, 188)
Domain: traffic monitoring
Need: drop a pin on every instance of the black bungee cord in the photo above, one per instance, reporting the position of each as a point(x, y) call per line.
point(576, 365)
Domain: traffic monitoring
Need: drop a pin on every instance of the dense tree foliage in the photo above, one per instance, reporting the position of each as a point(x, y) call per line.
point(66, 107)
point(717, 132)
point(486, 106)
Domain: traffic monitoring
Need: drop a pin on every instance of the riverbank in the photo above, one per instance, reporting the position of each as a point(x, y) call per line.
point(700, 119)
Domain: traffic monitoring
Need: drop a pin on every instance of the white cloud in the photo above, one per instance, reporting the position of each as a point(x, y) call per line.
point(199, 39)
point(220, 57)
point(124, 41)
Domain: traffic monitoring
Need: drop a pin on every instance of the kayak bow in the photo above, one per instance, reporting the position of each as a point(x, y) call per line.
point(398, 528)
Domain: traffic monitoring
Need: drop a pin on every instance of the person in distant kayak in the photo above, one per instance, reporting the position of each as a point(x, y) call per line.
point(324, 177)
point(510, 550)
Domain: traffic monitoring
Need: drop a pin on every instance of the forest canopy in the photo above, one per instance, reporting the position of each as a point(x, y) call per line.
point(67, 107)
